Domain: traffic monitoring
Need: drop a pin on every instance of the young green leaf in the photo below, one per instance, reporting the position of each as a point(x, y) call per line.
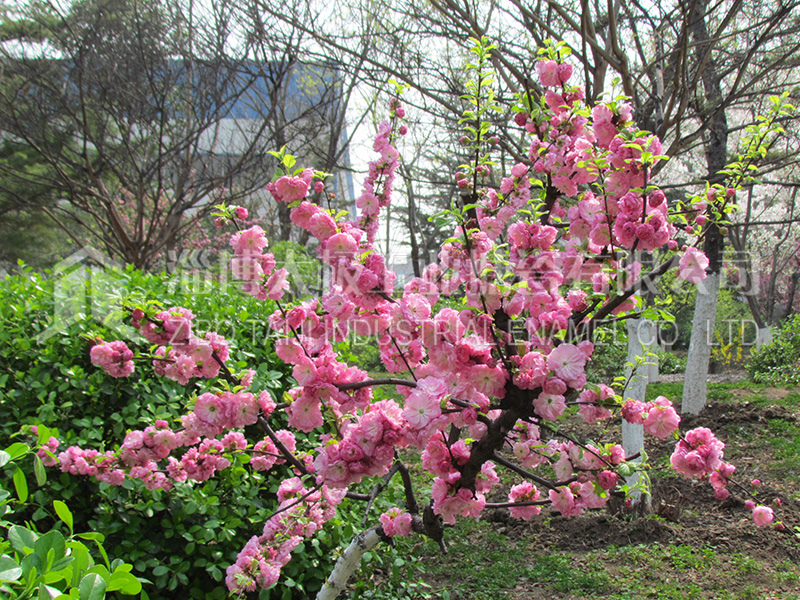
point(21, 485)
point(63, 513)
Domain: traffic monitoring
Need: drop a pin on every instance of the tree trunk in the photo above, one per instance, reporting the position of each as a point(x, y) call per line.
point(792, 291)
point(348, 562)
point(640, 336)
point(412, 215)
point(763, 336)
point(716, 149)
point(705, 316)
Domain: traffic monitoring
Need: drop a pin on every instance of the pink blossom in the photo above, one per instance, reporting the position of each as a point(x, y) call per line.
point(564, 72)
point(290, 189)
point(396, 522)
point(209, 408)
point(305, 413)
point(568, 362)
point(549, 406)
point(115, 358)
point(607, 480)
point(322, 226)
point(762, 515)
point(662, 420)
point(693, 266)
point(634, 411)
point(250, 242)
point(420, 409)
point(563, 501)
point(698, 454)
point(548, 72)
point(524, 492)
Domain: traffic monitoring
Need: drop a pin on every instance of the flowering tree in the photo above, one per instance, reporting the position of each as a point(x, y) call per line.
point(534, 267)
point(767, 261)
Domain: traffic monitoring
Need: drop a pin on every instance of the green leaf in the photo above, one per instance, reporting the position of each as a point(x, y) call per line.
point(22, 537)
point(92, 587)
point(82, 560)
point(38, 471)
point(47, 592)
point(21, 485)
point(16, 450)
point(102, 552)
point(124, 583)
point(9, 569)
point(63, 513)
point(44, 433)
point(4, 457)
point(91, 535)
point(50, 541)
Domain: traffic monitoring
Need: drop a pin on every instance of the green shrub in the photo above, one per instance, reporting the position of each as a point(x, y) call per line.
point(669, 363)
point(778, 361)
point(608, 360)
point(58, 561)
point(183, 540)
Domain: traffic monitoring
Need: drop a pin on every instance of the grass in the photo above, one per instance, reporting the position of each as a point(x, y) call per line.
point(482, 565)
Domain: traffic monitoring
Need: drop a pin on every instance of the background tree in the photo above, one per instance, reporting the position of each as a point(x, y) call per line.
point(143, 115)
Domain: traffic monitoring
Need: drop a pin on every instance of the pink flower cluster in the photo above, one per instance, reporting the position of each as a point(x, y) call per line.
point(544, 248)
point(366, 448)
point(181, 354)
point(143, 452)
point(378, 184)
point(498, 209)
point(255, 268)
point(396, 521)
point(584, 473)
point(591, 408)
point(291, 188)
point(226, 410)
point(699, 455)
point(316, 367)
point(524, 492)
point(115, 358)
point(171, 327)
point(659, 417)
point(301, 513)
point(197, 357)
point(47, 452)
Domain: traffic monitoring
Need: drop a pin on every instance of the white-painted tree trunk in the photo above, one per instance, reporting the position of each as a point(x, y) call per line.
point(641, 334)
point(705, 315)
point(653, 375)
point(348, 562)
point(763, 336)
